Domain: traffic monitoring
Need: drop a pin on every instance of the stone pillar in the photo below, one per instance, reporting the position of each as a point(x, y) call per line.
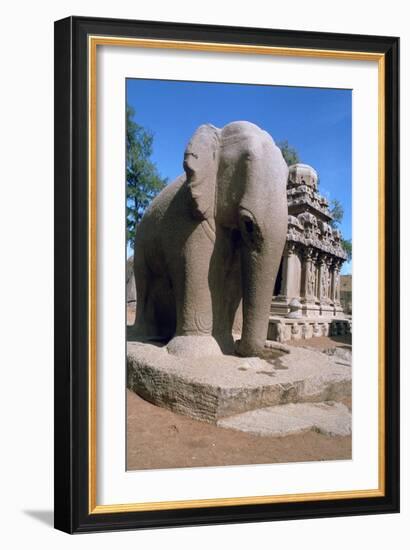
point(322, 280)
point(334, 282)
point(323, 287)
point(337, 285)
point(317, 279)
point(336, 288)
point(308, 282)
point(315, 275)
point(287, 272)
point(326, 307)
point(329, 282)
point(308, 277)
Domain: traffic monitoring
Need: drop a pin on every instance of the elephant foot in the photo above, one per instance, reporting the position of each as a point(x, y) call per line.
point(245, 350)
point(194, 346)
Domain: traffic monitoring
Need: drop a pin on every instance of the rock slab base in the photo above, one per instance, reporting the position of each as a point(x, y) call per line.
point(213, 388)
point(329, 418)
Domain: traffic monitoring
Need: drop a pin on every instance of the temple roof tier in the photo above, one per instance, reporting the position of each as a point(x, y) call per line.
point(302, 192)
point(309, 220)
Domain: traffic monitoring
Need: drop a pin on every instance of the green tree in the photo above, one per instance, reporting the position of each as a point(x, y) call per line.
point(336, 209)
point(143, 179)
point(289, 153)
point(347, 245)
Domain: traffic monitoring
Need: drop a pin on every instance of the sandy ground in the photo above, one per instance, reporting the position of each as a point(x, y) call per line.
point(159, 439)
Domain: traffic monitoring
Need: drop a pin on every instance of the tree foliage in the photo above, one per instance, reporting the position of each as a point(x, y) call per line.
point(336, 209)
point(289, 153)
point(143, 179)
point(347, 245)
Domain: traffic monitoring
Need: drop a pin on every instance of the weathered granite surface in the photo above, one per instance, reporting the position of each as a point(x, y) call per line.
point(286, 329)
point(213, 387)
point(328, 418)
point(211, 242)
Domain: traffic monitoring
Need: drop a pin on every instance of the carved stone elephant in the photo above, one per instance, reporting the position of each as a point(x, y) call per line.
point(212, 238)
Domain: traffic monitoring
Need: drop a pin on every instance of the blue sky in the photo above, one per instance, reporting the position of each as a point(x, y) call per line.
point(316, 121)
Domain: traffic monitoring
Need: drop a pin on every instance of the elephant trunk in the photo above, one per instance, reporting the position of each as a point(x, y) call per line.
point(261, 253)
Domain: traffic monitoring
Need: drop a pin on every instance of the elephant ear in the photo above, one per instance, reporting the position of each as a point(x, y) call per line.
point(201, 166)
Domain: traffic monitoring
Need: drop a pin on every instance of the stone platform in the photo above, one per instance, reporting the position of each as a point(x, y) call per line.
point(212, 388)
point(282, 329)
point(328, 418)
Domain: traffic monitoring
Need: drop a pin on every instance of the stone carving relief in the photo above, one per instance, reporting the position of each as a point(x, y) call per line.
point(320, 255)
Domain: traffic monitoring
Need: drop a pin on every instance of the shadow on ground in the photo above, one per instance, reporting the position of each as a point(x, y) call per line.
point(43, 516)
point(344, 341)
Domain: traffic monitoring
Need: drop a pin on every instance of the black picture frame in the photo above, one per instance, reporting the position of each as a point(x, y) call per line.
point(72, 466)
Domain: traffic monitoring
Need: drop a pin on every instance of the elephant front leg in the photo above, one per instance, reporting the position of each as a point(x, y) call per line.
point(194, 317)
point(194, 328)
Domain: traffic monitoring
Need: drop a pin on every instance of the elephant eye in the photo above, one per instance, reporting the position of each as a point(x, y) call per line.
point(250, 230)
point(250, 233)
point(249, 226)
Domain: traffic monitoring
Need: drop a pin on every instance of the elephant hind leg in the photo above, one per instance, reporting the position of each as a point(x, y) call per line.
point(143, 323)
point(155, 314)
point(164, 308)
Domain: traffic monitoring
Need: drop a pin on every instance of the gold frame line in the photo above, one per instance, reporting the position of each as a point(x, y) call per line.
point(93, 42)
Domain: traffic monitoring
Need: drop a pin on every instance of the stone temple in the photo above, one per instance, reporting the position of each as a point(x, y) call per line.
point(306, 296)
